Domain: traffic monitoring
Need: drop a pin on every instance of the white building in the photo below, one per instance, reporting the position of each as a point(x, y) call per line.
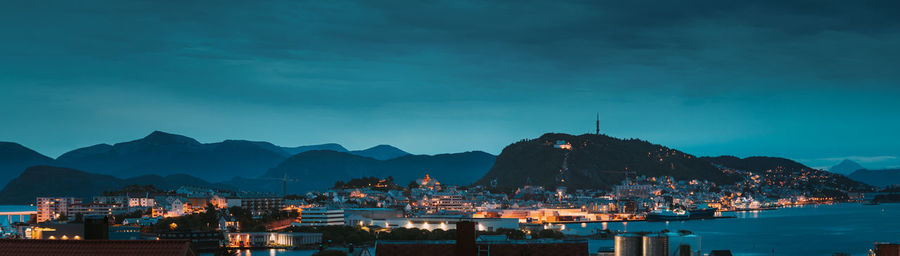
point(141, 202)
point(320, 216)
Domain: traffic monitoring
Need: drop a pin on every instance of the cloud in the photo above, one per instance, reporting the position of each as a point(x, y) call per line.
point(728, 72)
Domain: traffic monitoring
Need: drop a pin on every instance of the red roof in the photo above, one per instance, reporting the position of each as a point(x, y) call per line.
point(95, 247)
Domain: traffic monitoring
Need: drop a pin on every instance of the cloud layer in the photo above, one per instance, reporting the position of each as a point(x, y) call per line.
point(801, 79)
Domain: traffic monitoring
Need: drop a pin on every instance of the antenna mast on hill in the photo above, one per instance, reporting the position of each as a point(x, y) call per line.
point(598, 124)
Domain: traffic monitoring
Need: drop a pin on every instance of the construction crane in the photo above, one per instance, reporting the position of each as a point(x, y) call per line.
point(284, 180)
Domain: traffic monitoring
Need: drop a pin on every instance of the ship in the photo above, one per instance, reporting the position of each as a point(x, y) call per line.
point(665, 214)
point(702, 211)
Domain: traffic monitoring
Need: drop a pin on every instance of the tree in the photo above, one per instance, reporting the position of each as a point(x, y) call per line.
point(412, 185)
point(548, 233)
point(79, 218)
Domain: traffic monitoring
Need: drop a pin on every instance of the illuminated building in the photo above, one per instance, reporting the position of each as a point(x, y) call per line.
point(271, 239)
point(320, 216)
point(50, 208)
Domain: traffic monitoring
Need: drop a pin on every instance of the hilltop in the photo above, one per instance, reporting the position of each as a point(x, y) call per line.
point(846, 167)
point(593, 161)
point(14, 158)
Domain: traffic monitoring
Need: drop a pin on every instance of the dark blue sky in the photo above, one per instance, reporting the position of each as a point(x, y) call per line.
point(815, 81)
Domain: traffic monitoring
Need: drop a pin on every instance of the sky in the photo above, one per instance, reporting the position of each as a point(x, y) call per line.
point(814, 81)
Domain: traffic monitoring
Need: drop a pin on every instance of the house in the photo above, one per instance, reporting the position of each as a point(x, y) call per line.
point(95, 247)
point(228, 223)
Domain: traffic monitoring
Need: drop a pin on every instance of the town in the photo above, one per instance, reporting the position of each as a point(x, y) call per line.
point(359, 212)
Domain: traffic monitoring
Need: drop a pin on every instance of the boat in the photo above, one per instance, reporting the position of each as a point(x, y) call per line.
point(702, 211)
point(665, 214)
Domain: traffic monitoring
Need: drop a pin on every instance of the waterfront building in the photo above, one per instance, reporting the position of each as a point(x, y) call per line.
point(448, 222)
point(272, 239)
point(369, 216)
point(320, 216)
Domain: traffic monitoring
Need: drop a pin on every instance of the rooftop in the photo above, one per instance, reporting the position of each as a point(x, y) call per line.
point(96, 247)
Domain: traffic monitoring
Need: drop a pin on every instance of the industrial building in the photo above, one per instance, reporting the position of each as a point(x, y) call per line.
point(657, 244)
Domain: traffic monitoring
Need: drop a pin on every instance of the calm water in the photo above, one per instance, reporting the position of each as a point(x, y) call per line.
point(807, 230)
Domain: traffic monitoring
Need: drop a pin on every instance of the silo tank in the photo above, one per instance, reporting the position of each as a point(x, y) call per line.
point(629, 245)
point(655, 245)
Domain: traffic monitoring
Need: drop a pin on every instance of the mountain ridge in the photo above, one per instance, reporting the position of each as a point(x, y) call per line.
point(15, 157)
point(168, 153)
point(452, 168)
point(45, 180)
point(878, 178)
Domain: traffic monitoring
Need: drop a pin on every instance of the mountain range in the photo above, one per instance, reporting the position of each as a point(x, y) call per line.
point(306, 170)
point(14, 158)
point(879, 178)
point(228, 162)
point(164, 154)
point(45, 180)
point(167, 160)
